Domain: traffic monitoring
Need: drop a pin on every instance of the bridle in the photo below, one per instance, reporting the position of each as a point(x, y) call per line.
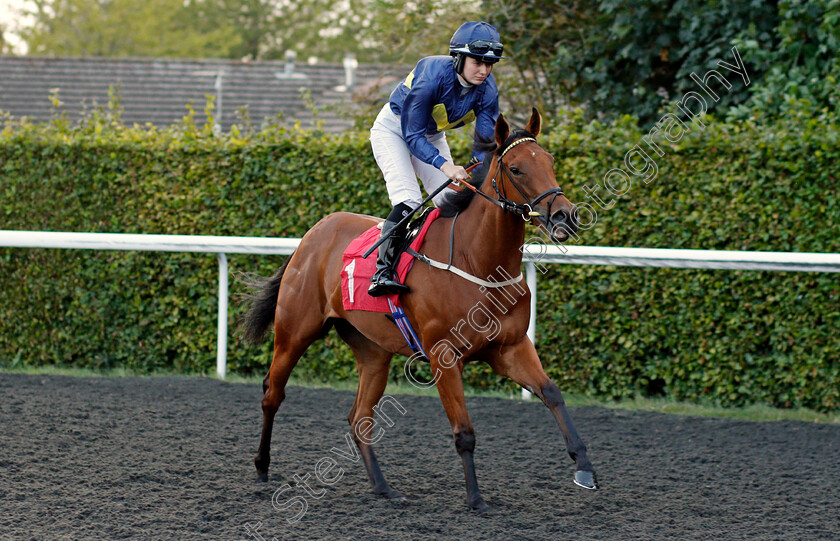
point(524, 210)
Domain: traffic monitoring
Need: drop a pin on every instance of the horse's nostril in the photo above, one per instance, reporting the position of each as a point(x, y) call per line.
point(562, 217)
point(564, 221)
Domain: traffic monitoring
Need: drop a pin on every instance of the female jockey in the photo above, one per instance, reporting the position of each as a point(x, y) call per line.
point(408, 137)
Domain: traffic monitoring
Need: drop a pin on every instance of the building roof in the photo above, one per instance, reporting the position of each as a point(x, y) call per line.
point(157, 91)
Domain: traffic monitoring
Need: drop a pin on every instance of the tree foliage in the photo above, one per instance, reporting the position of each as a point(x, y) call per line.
point(251, 21)
point(612, 57)
point(616, 57)
point(5, 47)
point(374, 30)
point(802, 67)
point(408, 31)
point(324, 29)
point(165, 28)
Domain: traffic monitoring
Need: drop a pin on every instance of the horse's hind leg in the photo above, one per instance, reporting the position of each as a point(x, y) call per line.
point(373, 363)
point(290, 342)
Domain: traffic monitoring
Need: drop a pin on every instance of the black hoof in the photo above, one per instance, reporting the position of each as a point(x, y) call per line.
point(586, 479)
point(262, 477)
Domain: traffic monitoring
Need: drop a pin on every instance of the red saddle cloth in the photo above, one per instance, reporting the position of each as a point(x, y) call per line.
point(356, 271)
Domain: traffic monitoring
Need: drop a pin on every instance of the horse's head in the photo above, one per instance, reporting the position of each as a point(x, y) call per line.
point(525, 178)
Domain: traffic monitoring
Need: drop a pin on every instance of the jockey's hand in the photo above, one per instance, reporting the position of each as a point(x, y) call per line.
point(455, 172)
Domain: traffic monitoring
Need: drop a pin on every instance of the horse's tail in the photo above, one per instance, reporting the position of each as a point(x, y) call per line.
point(260, 315)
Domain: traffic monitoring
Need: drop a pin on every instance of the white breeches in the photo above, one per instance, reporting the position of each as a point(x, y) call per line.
point(400, 167)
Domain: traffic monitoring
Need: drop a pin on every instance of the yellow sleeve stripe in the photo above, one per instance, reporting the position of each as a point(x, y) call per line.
point(409, 80)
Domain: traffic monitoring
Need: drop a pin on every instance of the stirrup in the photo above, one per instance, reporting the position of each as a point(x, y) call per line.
point(387, 286)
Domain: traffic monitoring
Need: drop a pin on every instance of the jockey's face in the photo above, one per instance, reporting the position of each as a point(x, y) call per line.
point(475, 71)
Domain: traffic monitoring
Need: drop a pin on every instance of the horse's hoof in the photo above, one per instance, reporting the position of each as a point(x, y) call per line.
point(586, 479)
point(481, 507)
point(393, 495)
point(262, 477)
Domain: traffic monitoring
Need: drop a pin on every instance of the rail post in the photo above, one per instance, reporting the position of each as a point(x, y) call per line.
point(221, 339)
point(531, 280)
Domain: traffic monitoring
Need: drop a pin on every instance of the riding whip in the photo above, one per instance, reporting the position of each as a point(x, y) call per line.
point(405, 219)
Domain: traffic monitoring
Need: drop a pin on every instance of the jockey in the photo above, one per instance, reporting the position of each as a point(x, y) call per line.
point(408, 136)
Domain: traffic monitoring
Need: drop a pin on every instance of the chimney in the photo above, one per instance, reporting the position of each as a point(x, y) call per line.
point(350, 65)
point(289, 70)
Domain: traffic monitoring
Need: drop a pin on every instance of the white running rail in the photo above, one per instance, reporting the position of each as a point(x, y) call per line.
point(534, 255)
point(163, 243)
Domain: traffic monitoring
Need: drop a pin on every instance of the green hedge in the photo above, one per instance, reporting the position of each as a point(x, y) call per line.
point(733, 337)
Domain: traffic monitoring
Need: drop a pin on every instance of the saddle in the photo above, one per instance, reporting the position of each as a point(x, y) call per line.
point(356, 270)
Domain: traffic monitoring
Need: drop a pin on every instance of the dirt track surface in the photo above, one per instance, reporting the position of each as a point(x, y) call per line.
point(171, 458)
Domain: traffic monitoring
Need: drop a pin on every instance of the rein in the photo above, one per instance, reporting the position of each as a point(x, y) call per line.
point(525, 210)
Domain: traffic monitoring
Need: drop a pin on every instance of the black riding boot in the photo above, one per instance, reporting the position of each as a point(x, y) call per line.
point(382, 281)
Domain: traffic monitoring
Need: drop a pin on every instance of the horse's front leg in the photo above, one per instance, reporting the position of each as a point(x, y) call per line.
point(521, 363)
point(451, 390)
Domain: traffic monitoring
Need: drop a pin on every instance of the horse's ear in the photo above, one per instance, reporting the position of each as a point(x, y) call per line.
point(502, 131)
point(534, 124)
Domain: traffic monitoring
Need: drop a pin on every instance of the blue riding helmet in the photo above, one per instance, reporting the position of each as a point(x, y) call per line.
point(478, 40)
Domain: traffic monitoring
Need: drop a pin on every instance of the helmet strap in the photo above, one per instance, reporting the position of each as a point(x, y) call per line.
point(458, 63)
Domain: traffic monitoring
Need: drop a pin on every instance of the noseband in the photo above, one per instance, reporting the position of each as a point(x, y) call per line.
point(526, 211)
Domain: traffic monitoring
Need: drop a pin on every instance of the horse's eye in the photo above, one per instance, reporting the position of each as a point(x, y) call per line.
point(515, 171)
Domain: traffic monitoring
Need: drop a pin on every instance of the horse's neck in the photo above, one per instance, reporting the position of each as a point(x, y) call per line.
point(486, 238)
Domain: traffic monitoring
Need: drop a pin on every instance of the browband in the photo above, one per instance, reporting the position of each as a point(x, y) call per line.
point(517, 142)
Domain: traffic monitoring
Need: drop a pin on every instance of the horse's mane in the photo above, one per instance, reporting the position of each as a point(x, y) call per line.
point(455, 202)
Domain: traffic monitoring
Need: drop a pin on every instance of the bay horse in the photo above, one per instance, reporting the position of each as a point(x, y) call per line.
point(303, 302)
